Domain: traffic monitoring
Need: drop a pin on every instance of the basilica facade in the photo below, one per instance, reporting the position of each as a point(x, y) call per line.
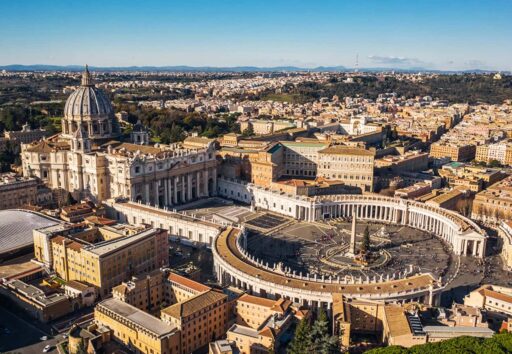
point(90, 160)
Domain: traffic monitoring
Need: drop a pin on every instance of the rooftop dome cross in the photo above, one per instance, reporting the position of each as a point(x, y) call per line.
point(86, 77)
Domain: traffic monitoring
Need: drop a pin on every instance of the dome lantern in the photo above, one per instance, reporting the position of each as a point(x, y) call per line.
point(86, 77)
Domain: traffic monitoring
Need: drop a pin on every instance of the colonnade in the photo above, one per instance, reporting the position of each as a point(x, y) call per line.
point(465, 237)
point(311, 293)
point(173, 190)
point(467, 242)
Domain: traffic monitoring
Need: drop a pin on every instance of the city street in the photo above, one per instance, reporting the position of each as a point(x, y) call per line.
point(22, 335)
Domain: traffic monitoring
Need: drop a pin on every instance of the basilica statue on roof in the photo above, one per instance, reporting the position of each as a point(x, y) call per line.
point(92, 159)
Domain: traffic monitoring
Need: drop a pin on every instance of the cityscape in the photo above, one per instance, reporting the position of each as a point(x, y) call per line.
point(168, 186)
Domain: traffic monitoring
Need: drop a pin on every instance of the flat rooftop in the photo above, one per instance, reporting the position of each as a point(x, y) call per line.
point(139, 317)
point(105, 247)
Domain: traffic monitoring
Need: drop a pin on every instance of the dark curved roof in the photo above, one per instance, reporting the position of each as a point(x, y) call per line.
point(16, 228)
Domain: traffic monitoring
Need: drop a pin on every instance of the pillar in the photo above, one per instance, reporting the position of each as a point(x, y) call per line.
point(205, 182)
point(155, 186)
point(175, 190)
point(166, 192)
point(146, 193)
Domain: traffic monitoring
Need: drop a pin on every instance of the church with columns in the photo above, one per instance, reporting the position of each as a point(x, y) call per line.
point(92, 159)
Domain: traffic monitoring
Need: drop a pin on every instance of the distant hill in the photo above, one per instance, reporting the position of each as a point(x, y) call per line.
point(213, 69)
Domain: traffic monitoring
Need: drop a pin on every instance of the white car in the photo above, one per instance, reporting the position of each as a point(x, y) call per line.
point(46, 348)
point(44, 338)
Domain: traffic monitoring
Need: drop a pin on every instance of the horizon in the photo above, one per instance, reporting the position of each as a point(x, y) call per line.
point(432, 35)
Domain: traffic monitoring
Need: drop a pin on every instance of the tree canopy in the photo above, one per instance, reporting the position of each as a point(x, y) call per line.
point(498, 344)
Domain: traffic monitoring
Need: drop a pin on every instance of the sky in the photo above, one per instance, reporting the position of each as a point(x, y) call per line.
point(435, 34)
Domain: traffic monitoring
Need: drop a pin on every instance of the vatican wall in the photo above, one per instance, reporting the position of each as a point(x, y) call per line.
point(177, 224)
point(234, 189)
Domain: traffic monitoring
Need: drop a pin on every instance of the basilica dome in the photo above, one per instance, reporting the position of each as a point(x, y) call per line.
point(87, 101)
point(89, 107)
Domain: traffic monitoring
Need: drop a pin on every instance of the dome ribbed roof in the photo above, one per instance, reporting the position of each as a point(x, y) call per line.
point(87, 100)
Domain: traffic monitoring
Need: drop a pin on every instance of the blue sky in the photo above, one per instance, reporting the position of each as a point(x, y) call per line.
point(449, 34)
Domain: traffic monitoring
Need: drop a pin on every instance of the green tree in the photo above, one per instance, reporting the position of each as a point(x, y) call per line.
point(494, 164)
point(365, 244)
point(249, 131)
point(322, 341)
point(301, 342)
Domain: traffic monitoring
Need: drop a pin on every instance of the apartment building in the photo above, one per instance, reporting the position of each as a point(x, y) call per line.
point(501, 152)
point(495, 203)
point(456, 152)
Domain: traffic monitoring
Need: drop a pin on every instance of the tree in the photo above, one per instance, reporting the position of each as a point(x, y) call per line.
point(497, 344)
point(494, 164)
point(322, 341)
point(365, 244)
point(249, 131)
point(301, 342)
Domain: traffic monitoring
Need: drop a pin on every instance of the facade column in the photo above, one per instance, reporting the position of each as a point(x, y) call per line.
point(166, 192)
point(146, 192)
point(183, 189)
point(169, 190)
point(189, 186)
point(175, 190)
point(198, 185)
point(205, 183)
point(132, 193)
point(157, 199)
point(214, 184)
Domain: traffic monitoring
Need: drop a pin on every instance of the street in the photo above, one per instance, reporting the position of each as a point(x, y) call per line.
point(21, 335)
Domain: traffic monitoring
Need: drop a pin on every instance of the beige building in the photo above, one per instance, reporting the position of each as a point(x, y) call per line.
point(353, 166)
point(456, 152)
point(26, 135)
point(493, 298)
point(192, 313)
point(505, 233)
point(16, 191)
point(137, 329)
point(253, 311)
point(501, 152)
point(260, 323)
point(495, 203)
point(145, 292)
point(403, 324)
point(38, 304)
point(200, 319)
point(101, 256)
